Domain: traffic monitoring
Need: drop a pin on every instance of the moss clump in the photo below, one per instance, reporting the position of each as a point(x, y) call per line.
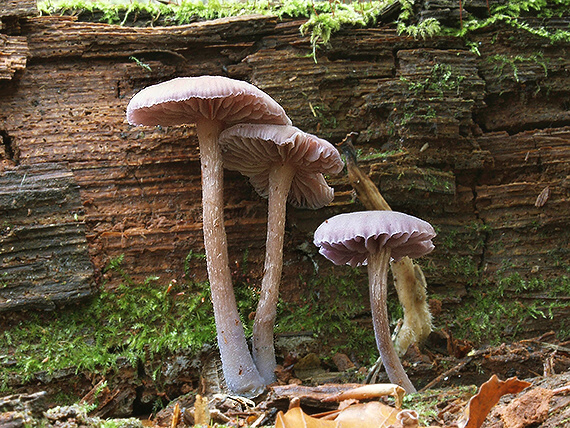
point(513, 13)
point(124, 13)
point(500, 312)
point(133, 321)
point(141, 322)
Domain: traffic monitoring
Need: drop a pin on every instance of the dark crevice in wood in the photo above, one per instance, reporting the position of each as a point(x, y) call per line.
point(10, 152)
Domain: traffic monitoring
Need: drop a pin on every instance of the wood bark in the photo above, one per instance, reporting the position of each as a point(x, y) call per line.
point(43, 248)
point(13, 55)
point(470, 154)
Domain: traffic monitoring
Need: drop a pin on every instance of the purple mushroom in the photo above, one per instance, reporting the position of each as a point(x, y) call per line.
point(214, 103)
point(373, 238)
point(283, 164)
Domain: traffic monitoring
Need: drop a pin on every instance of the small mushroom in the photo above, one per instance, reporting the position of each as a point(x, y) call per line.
point(213, 103)
point(283, 164)
point(372, 238)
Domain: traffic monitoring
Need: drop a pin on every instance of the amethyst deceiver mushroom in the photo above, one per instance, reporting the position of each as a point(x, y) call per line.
point(372, 238)
point(213, 103)
point(283, 164)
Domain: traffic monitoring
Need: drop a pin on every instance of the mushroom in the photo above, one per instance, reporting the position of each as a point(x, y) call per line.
point(408, 277)
point(283, 164)
point(213, 103)
point(372, 238)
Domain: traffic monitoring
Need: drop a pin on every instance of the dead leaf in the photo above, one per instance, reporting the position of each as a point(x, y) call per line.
point(296, 418)
point(489, 394)
point(368, 415)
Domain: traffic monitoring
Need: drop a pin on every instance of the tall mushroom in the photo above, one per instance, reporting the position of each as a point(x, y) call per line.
point(283, 164)
point(372, 238)
point(213, 103)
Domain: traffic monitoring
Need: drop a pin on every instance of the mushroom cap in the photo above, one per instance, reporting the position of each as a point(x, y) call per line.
point(253, 149)
point(349, 238)
point(190, 99)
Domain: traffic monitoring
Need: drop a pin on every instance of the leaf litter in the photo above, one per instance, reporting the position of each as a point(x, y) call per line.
point(381, 406)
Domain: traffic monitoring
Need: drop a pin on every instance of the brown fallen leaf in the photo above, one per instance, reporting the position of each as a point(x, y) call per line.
point(489, 394)
point(296, 418)
point(367, 415)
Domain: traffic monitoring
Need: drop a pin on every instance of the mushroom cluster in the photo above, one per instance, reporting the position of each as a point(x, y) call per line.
point(243, 127)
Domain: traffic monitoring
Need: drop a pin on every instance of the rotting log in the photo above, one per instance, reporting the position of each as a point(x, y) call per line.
point(470, 156)
point(44, 259)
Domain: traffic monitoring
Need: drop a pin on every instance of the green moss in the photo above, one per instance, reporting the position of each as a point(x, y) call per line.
point(142, 322)
point(508, 66)
point(511, 13)
point(427, 28)
point(440, 79)
point(331, 309)
point(373, 154)
point(169, 14)
point(322, 25)
point(428, 404)
point(133, 321)
point(498, 311)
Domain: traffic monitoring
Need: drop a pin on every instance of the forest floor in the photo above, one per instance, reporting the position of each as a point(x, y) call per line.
point(447, 371)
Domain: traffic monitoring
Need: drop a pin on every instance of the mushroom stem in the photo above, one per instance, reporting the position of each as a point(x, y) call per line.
point(378, 265)
point(239, 370)
point(280, 179)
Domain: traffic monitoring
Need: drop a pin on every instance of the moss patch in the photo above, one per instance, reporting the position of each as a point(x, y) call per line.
point(499, 312)
point(141, 322)
point(132, 321)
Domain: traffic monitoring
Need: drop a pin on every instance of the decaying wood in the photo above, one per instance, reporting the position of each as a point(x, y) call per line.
point(20, 410)
point(44, 257)
point(13, 55)
point(310, 396)
point(18, 8)
point(470, 156)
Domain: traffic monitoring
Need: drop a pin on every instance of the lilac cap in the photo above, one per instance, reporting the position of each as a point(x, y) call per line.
point(190, 99)
point(349, 238)
point(254, 149)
